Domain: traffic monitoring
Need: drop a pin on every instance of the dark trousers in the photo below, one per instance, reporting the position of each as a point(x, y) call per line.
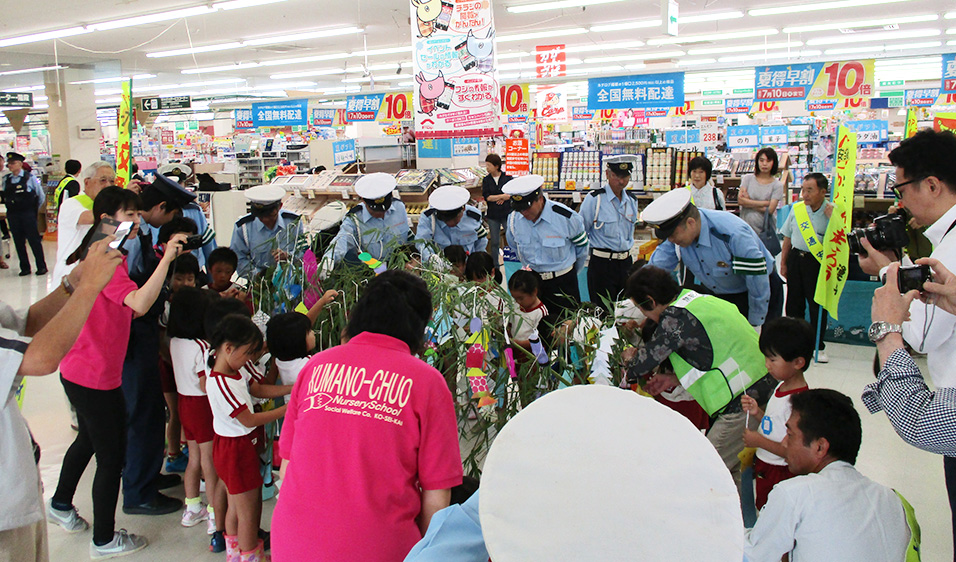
point(774, 306)
point(494, 237)
point(24, 229)
point(146, 413)
point(558, 294)
point(740, 300)
point(101, 431)
point(802, 272)
point(949, 470)
point(606, 280)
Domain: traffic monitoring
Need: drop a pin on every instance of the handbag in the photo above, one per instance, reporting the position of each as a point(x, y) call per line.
point(769, 234)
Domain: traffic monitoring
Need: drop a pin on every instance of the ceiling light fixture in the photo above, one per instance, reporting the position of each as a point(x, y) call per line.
point(744, 48)
point(516, 55)
point(695, 62)
point(151, 18)
point(880, 36)
point(800, 8)
point(257, 42)
point(639, 24)
point(639, 56)
point(307, 73)
point(31, 70)
point(883, 48)
point(34, 37)
point(114, 79)
point(559, 5)
point(771, 56)
point(713, 36)
point(541, 34)
point(702, 18)
point(863, 23)
point(194, 50)
point(603, 47)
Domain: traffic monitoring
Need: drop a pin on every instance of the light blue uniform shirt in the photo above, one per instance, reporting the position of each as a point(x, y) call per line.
point(819, 221)
point(610, 227)
point(252, 241)
point(361, 232)
point(134, 256)
point(470, 233)
point(727, 258)
point(454, 535)
point(555, 242)
point(194, 212)
point(33, 184)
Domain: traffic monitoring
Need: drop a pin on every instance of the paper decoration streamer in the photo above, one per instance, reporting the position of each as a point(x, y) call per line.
point(375, 265)
point(601, 366)
point(537, 349)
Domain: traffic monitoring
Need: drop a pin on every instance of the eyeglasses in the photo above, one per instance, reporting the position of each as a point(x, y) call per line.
point(896, 188)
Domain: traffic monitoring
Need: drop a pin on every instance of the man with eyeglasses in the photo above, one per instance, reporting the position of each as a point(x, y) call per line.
point(75, 216)
point(926, 187)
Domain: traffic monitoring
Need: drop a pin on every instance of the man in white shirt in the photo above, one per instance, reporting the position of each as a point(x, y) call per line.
point(829, 511)
point(926, 187)
point(76, 215)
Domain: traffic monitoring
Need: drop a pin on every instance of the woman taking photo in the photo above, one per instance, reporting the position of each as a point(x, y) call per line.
point(499, 203)
point(761, 191)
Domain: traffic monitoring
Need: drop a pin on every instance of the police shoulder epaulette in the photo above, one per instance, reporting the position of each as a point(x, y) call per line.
point(562, 210)
point(596, 192)
point(289, 215)
point(245, 219)
point(473, 214)
point(429, 211)
point(631, 194)
point(354, 210)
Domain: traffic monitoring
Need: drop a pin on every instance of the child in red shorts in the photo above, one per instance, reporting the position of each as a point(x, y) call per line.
point(787, 343)
point(238, 434)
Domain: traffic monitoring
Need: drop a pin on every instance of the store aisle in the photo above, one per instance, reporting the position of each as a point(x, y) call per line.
point(884, 457)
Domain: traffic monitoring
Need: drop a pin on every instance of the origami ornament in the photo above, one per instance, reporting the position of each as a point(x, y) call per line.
point(601, 366)
point(479, 387)
point(301, 308)
point(537, 349)
point(375, 265)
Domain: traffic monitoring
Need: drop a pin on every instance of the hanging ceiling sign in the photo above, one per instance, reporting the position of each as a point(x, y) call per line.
point(322, 117)
point(869, 131)
point(243, 118)
point(735, 106)
point(162, 104)
point(551, 61)
point(16, 99)
point(638, 91)
point(925, 97)
point(821, 105)
point(744, 136)
point(514, 98)
point(848, 79)
point(949, 74)
point(285, 113)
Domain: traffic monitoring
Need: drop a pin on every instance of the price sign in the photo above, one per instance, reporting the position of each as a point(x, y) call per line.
point(675, 138)
point(744, 136)
point(869, 131)
point(847, 79)
point(949, 74)
point(708, 134)
point(774, 135)
point(396, 107)
point(514, 98)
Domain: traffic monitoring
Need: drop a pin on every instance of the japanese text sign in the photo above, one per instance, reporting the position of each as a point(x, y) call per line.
point(815, 80)
point(285, 113)
point(363, 108)
point(434, 148)
point(517, 157)
point(243, 118)
point(744, 136)
point(514, 98)
point(343, 152)
point(821, 105)
point(551, 61)
point(322, 117)
point(869, 131)
point(682, 137)
point(644, 91)
point(552, 104)
point(16, 99)
point(949, 74)
point(124, 129)
point(835, 266)
point(581, 113)
point(925, 97)
point(734, 106)
point(774, 135)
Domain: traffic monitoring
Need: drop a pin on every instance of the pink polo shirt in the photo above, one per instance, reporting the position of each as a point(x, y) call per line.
point(96, 359)
point(368, 426)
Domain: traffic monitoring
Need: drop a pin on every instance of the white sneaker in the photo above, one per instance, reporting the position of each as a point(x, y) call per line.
point(69, 520)
point(822, 357)
point(193, 518)
point(123, 543)
point(211, 524)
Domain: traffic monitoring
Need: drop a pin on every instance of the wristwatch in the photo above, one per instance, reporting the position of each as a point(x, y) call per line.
point(67, 286)
point(879, 330)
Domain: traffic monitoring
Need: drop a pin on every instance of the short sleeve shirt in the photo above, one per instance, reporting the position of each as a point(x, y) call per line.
point(759, 192)
point(228, 397)
point(69, 234)
point(773, 426)
point(189, 364)
point(289, 370)
point(818, 220)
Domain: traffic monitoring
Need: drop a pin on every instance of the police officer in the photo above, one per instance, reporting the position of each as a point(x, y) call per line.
point(377, 225)
point(609, 215)
point(68, 186)
point(719, 248)
point(550, 238)
point(448, 221)
point(24, 197)
point(264, 236)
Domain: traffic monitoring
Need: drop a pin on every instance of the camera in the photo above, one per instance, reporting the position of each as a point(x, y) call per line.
point(887, 232)
point(193, 242)
point(912, 277)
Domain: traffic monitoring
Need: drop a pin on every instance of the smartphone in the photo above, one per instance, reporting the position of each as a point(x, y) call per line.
point(121, 233)
point(913, 277)
point(106, 227)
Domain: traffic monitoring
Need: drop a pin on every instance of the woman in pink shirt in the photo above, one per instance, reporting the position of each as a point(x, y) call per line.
point(91, 374)
point(370, 440)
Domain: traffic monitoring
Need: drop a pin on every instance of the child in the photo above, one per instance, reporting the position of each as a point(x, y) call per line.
point(221, 266)
point(235, 342)
point(523, 286)
point(479, 266)
point(291, 339)
point(188, 350)
point(92, 374)
point(456, 256)
point(787, 344)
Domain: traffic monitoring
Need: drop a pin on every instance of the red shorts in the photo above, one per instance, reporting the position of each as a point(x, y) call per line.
point(195, 415)
point(690, 409)
point(166, 377)
point(767, 476)
point(237, 461)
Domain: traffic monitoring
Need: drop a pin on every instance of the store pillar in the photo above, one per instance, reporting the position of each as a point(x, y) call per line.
point(74, 129)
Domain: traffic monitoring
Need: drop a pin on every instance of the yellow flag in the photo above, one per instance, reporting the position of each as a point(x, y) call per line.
point(836, 251)
point(124, 126)
point(910, 122)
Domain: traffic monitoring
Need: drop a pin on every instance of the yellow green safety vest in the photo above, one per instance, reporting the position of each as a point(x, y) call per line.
point(802, 217)
point(738, 361)
point(913, 548)
point(85, 200)
point(60, 187)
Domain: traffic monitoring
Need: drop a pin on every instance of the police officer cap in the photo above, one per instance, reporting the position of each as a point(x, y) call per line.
point(265, 194)
point(15, 157)
point(174, 168)
point(667, 212)
point(622, 164)
point(375, 186)
point(524, 190)
point(449, 198)
point(173, 191)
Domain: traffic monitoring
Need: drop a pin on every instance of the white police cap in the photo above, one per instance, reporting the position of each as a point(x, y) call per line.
point(667, 211)
point(621, 164)
point(175, 168)
point(449, 198)
point(523, 185)
point(265, 194)
point(375, 186)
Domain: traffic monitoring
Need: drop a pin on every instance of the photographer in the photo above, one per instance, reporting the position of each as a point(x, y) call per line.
point(926, 186)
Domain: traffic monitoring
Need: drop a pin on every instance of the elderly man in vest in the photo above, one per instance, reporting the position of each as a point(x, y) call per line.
point(76, 214)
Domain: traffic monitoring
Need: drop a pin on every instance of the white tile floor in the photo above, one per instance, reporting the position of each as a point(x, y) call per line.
point(884, 457)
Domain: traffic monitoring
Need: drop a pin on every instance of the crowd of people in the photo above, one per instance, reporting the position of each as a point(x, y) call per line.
point(160, 358)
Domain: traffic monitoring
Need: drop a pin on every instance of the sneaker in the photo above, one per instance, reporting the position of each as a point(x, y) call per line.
point(822, 357)
point(193, 518)
point(69, 520)
point(123, 543)
point(177, 464)
point(211, 524)
point(218, 542)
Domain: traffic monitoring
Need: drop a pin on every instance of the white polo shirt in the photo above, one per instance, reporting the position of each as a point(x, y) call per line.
point(289, 370)
point(69, 234)
point(228, 397)
point(189, 364)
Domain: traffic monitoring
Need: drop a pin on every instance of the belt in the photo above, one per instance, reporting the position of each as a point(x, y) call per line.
point(802, 252)
point(610, 255)
point(549, 275)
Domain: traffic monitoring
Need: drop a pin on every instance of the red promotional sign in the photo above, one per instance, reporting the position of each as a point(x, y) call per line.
point(166, 136)
point(551, 60)
point(517, 157)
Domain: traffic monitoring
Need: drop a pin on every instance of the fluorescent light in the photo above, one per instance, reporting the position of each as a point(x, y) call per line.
point(710, 17)
point(31, 70)
point(300, 60)
point(640, 24)
point(27, 88)
point(194, 50)
point(223, 68)
point(951, 43)
point(376, 67)
point(639, 56)
point(515, 55)
point(387, 51)
point(542, 34)
point(881, 36)
point(561, 4)
point(638, 66)
point(800, 8)
point(528, 65)
point(602, 47)
point(114, 79)
point(883, 48)
point(151, 18)
point(861, 23)
point(303, 36)
point(385, 78)
point(713, 36)
point(110, 100)
point(951, 31)
point(34, 37)
point(408, 84)
point(308, 73)
point(744, 48)
point(695, 62)
point(768, 56)
point(950, 16)
point(235, 4)
point(908, 61)
point(599, 70)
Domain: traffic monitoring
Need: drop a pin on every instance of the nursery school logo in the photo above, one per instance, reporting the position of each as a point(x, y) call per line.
point(346, 389)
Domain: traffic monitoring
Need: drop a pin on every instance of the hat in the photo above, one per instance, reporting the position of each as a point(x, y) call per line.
point(376, 190)
point(15, 157)
point(173, 168)
point(524, 190)
point(667, 211)
point(448, 200)
point(172, 191)
point(264, 195)
point(621, 164)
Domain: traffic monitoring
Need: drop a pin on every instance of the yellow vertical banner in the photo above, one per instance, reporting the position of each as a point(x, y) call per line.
point(910, 122)
point(124, 126)
point(836, 251)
